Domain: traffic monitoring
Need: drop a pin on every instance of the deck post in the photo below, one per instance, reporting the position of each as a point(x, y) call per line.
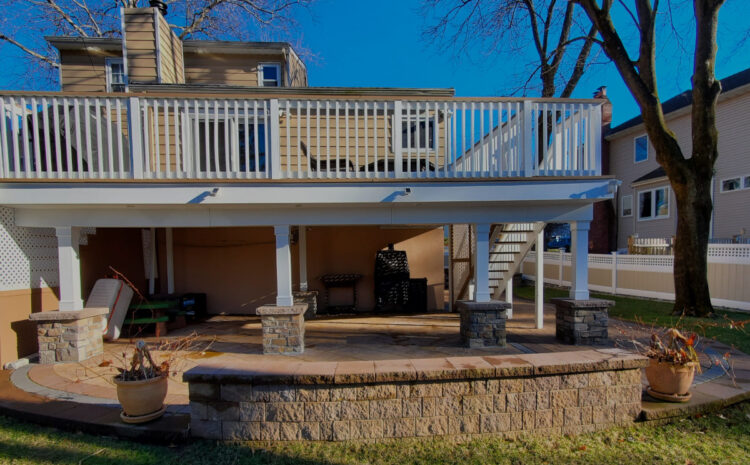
point(539, 288)
point(398, 155)
point(509, 296)
point(283, 267)
point(579, 245)
point(275, 136)
point(136, 139)
point(69, 263)
point(302, 258)
point(482, 273)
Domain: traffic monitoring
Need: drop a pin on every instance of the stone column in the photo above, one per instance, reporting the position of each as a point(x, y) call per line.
point(69, 264)
point(483, 323)
point(70, 336)
point(283, 328)
point(582, 322)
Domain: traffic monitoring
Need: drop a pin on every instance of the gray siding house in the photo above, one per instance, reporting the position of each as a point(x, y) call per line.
point(645, 203)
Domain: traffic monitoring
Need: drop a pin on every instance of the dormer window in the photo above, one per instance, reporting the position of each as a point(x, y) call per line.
point(269, 75)
point(117, 80)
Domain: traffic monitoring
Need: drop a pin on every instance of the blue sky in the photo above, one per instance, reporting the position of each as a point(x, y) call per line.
point(380, 44)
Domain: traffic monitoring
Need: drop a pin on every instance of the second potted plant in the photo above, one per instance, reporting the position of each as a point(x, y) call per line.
point(142, 387)
point(672, 367)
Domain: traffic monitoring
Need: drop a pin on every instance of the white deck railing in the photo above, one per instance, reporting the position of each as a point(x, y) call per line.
point(58, 136)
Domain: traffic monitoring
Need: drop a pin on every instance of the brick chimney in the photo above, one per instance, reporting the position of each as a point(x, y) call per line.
point(152, 51)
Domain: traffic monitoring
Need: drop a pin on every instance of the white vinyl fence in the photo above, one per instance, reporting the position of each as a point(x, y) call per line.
point(651, 275)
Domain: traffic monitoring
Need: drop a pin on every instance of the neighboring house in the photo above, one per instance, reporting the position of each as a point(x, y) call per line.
point(645, 202)
point(212, 167)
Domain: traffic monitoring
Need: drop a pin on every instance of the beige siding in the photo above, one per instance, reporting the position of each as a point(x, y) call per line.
point(84, 71)
point(228, 69)
point(297, 72)
point(170, 54)
point(730, 209)
point(140, 43)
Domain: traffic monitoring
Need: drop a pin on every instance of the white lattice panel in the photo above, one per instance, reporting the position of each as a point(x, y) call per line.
point(729, 253)
point(28, 256)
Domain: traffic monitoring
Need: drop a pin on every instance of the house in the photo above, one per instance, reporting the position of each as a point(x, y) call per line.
point(645, 203)
point(212, 167)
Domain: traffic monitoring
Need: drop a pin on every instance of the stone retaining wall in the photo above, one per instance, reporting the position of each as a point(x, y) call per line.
point(504, 395)
point(283, 328)
point(71, 336)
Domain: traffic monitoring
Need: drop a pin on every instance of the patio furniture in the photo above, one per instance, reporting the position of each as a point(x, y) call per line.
point(327, 165)
point(413, 166)
point(341, 280)
point(154, 312)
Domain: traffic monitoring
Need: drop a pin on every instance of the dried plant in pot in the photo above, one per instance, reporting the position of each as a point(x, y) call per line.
point(672, 369)
point(142, 387)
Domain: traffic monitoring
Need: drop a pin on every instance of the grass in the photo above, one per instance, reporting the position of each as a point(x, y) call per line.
point(720, 438)
point(727, 326)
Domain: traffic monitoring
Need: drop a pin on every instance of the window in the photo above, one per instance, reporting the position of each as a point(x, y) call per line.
point(409, 134)
point(627, 205)
point(117, 80)
point(269, 75)
point(228, 133)
point(640, 147)
point(735, 184)
point(653, 204)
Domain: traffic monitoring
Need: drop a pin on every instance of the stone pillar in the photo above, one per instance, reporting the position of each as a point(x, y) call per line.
point(283, 328)
point(582, 322)
point(579, 248)
point(310, 298)
point(483, 323)
point(283, 267)
point(70, 336)
point(69, 268)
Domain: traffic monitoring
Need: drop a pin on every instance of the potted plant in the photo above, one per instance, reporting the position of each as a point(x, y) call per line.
point(142, 387)
point(672, 369)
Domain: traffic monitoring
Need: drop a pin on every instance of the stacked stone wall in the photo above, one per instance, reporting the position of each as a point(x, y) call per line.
point(70, 336)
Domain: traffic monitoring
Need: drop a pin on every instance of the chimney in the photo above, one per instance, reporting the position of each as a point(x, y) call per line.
point(152, 51)
point(601, 93)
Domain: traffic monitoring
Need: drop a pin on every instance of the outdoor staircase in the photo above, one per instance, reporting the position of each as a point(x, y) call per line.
point(509, 244)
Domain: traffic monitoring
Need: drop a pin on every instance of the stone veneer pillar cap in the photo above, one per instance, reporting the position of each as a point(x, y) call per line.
point(268, 310)
point(70, 315)
point(590, 303)
point(492, 305)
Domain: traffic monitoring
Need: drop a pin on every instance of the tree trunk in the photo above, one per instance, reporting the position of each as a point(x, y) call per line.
point(694, 208)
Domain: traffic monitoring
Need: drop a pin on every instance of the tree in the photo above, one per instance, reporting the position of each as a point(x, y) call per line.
point(690, 178)
point(559, 37)
point(26, 22)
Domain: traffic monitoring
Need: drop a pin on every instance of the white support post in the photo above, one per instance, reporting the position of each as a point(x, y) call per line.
point(396, 137)
point(560, 267)
point(170, 261)
point(482, 273)
point(136, 137)
point(614, 273)
point(152, 275)
point(449, 228)
point(69, 264)
point(283, 267)
point(527, 138)
point(509, 296)
point(275, 136)
point(539, 294)
point(302, 258)
point(579, 244)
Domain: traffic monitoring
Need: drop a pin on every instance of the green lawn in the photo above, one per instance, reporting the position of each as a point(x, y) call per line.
point(726, 327)
point(722, 438)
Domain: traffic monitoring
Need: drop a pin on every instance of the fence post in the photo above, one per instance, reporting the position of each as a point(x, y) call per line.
point(560, 267)
point(275, 135)
point(614, 273)
point(136, 137)
point(396, 137)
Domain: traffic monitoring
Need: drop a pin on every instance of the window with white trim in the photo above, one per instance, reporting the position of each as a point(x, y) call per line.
point(653, 204)
point(640, 149)
point(269, 75)
point(735, 184)
point(627, 206)
point(418, 133)
point(117, 80)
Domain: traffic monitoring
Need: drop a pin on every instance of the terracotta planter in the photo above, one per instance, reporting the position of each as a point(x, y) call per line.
point(669, 378)
point(142, 398)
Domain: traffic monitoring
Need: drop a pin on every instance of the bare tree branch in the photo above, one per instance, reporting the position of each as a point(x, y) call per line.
point(34, 54)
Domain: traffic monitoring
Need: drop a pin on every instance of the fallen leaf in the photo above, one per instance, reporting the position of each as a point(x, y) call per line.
point(583, 447)
point(105, 363)
point(721, 416)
